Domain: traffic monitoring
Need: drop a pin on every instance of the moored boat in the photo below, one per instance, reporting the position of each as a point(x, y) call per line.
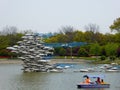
point(114, 69)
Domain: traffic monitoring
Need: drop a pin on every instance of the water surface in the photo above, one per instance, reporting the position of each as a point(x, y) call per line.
point(12, 78)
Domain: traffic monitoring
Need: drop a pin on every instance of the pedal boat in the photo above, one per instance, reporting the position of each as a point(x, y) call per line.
point(93, 85)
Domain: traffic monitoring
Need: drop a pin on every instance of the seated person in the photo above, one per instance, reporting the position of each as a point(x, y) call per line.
point(102, 81)
point(87, 80)
point(98, 81)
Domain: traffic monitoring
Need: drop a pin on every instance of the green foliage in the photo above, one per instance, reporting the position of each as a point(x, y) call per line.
point(103, 51)
point(102, 57)
point(79, 36)
point(56, 51)
point(82, 52)
point(62, 52)
point(112, 58)
point(57, 38)
point(95, 49)
point(118, 51)
point(8, 40)
point(117, 37)
point(116, 25)
point(88, 36)
point(99, 44)
point(111, 49)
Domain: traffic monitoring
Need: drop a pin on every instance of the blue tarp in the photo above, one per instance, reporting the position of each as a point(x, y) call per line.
point(94, 76)
point(72, 44)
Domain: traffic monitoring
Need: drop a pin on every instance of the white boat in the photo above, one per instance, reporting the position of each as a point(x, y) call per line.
point(67, 67)
point(114, 69)
point(110, 70)
point(59, 67)
point(84, 70)
point(56, 70)
point(106, 66)
point(87, 70)
point(91, 69)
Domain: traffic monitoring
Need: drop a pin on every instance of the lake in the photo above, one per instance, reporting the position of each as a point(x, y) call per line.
point(12, 78)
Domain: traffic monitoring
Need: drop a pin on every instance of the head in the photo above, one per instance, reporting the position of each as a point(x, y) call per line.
point(98, 78)
point(87, 77)
point(101, 80)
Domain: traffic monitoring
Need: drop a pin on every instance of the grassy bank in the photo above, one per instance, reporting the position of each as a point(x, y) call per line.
point(95, 60)
point(73, 57)
point(63, 59)
point(106, 61)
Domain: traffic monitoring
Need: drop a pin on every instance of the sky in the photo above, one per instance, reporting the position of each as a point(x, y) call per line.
point(44, 16)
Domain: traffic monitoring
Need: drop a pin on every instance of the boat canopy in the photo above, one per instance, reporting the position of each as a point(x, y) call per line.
point(94, 76)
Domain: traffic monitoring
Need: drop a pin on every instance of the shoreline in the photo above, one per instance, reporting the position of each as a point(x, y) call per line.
point(10, 61)
point(52, 61)
point(75, 61)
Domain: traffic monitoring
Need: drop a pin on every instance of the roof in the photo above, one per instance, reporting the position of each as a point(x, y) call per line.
point(94, 76)
point(72, 44)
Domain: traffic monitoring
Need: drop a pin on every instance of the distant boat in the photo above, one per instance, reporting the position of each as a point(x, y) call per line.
point(106, 66)
point(84, 70)
point(67, 67)
point(56, 70)
point(113, 69)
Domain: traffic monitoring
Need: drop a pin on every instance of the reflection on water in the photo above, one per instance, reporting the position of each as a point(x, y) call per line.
point(12, 78)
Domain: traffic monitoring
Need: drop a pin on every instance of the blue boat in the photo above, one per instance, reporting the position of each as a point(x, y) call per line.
point(93, 84)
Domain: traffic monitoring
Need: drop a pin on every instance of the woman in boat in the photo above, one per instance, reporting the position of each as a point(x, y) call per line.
point(98, 80)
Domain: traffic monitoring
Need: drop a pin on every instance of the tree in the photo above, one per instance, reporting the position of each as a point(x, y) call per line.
point(62, 52)
point(116, 25)
point(82, 52)
point(78, 36)
point(118, 51)
point(92, 27)
point(89, 36)
point(68, 31)
point(103, 52)
point(91, 32)
point(111, 49)
point(9, 30)
point(6, 40)
point(117, 37)
point(95, 49)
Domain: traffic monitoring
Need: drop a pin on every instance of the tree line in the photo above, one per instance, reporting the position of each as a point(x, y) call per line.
point(98, 43)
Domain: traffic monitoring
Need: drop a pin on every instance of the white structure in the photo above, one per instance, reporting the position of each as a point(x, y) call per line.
point(33, 53)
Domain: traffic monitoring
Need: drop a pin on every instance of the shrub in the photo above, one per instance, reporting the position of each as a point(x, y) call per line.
point(103, 57)
point(112, 58)
point(82, 52)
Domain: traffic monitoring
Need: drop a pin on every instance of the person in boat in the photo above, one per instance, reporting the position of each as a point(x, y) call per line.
point(98, 80)
point(87, 80)
point(102, 81)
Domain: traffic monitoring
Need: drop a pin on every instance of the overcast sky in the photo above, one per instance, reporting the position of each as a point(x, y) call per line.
point(45, 16)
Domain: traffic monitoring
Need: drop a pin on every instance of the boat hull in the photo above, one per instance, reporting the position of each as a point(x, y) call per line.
point(93, 85)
